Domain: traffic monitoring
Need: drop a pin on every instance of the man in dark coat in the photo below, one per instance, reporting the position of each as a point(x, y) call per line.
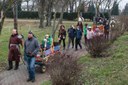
point(14, 50)
point(71, 36)
point(78, 35)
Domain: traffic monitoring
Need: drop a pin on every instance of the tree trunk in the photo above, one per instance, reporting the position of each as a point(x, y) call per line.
point(27, 6)
point(71, 7)
point(54, 24)
point(32, 9)
point(15, 15)
point(59, 22)
point(75, 6)
point(41, 21)
point(41, 12)
point(2, 22)
point(61, 16)
point(0, 28)
point(49, 14)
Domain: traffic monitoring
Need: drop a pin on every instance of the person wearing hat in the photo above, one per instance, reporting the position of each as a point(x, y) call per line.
point(31, 47)
point(71, 36)
point(90, 34)
point(47, 42)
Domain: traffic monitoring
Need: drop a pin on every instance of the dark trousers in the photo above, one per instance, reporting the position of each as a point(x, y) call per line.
point(85, 38)
point(70, 40)
point(78, 42)
point(11, 64)
point(63, 42)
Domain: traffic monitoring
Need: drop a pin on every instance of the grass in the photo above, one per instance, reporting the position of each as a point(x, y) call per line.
point(23, 27)
point(47, 83)
point(112, 70)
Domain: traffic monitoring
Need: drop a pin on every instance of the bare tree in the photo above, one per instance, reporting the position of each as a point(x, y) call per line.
point(27, 1)
point(49, 8)
point(3, 10)
point(15, 14)
point(33, 4)
point(64, 4)
point(41, 12)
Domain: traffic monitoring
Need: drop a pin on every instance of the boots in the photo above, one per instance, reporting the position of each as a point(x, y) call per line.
point(10, 65)
point(16, 65)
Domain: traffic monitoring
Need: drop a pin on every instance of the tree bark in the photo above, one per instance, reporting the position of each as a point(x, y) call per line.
point(49, 14)
point(2, 22)
point(59, 22)
point(33, 5)
point(54, 24)
point(41, 12)
point(27, 6)
point(41, 21)
point(15, 15)
point(71, 7)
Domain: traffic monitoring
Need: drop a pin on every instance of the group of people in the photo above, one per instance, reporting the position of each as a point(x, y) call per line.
point(31, 45)
point(74, 34)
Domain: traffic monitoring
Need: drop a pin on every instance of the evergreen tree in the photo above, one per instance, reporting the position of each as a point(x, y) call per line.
point(125, 11)
point(91, 8)
point(115, 9)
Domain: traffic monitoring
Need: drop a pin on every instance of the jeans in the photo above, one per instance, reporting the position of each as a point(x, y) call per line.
point(78, 42)
point(31, 67)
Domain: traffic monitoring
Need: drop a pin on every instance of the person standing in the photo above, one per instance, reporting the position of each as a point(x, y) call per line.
point(90, 35)
point(14, 50)
point(62, 35)
point(80, 26)
point(85, 32)
point(71, 36)
point(31, 47)
point(106, 30)
point(78, 36)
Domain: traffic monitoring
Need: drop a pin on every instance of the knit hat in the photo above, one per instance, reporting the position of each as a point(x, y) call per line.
point(30, 32)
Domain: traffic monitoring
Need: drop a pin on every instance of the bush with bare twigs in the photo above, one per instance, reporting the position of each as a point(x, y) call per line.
point(64, 70)
point(96, 46)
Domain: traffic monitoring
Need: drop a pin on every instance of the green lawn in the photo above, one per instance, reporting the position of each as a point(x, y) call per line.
point(112, 70)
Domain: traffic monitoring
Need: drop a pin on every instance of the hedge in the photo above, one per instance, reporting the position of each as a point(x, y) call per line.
point(66, 16)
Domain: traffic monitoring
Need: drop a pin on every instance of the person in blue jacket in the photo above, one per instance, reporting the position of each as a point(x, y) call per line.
point(71, 36)
point(78, 36)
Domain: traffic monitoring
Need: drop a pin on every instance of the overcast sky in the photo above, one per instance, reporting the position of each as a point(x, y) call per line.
point(122, 4)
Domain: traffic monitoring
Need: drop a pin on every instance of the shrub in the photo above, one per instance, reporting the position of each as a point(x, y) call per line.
point(97, 46)
point(64, 70)
point(66, 16)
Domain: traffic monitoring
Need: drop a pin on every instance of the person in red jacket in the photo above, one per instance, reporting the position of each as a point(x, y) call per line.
point(14, 49)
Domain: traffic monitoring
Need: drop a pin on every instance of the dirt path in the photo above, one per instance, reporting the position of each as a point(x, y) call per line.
point(19, 77)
